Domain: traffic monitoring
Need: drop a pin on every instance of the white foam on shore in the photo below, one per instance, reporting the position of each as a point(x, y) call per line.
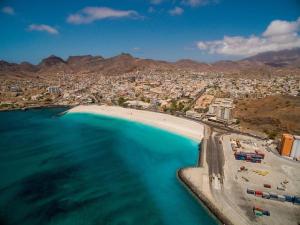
point(181, 126)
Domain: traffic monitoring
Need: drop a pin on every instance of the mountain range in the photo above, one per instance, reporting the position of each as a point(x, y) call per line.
point(263, 63)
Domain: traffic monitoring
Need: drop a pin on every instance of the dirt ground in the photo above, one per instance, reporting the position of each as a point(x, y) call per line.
point(271, 115)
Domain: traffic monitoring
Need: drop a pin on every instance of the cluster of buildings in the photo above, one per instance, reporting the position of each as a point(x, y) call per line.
point(240, 88)
point(213, 109)
point(221, 110)
point(148, 86)
point(199, 95)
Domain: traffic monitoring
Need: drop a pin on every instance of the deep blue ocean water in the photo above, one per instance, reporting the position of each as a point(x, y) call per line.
point(90, 169)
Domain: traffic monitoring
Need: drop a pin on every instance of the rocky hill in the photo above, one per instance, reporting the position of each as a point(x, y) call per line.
point(284, 58)
point(263, 64)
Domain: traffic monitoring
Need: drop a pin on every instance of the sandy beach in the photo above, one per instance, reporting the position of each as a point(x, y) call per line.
point(181, 126)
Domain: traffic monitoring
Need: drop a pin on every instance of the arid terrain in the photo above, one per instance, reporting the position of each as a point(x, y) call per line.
point(261, 65)
point(271, 115)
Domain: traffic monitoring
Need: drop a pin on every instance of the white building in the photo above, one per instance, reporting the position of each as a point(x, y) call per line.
point(54, 90)
point(193, 114)
point(138, 104)
point(221, 108)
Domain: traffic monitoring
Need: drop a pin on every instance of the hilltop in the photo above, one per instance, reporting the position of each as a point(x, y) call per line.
point(264, 64)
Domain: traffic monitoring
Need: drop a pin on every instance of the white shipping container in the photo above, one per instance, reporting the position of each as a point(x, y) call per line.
point(281, 198)
point(295, 152)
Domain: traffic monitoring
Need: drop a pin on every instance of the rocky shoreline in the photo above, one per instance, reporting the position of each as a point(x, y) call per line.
point(37, 107)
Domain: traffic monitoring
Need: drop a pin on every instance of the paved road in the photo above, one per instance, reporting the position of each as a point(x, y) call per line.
point(215, 156)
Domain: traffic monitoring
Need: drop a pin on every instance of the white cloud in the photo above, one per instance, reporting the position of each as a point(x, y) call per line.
point(8, 10)
point(176, 11)
point(136, 49)
point(281, 27)
point(43, 28)
point(91, 14)
point(279, 35)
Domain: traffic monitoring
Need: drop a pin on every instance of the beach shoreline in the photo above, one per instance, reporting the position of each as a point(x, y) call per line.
point(184, 127)
point(181, 126)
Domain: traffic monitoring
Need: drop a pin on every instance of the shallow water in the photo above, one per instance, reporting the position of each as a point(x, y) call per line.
point(90, 169)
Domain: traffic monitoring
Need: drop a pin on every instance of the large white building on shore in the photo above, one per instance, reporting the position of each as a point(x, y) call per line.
point(221, 110)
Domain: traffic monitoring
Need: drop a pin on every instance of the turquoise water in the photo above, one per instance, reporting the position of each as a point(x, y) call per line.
point(90, 169)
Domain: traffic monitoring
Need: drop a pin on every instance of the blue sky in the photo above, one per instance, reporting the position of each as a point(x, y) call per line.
point(204, 30)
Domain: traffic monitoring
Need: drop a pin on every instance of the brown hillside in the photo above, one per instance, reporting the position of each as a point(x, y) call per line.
point(263, 65)
point(271, 115)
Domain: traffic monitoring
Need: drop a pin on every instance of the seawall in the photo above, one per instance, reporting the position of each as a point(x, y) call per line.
point(201, 196)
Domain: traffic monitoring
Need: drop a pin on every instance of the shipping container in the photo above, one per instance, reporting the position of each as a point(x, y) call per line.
point(289, 198)
point(297, 200)
point(240, 158)
point(258, 193)
point(249, 157)
point(295, 152)
point(256, 156)
point(273, 195)
point(258, 213)
point(260, 153)
point(266, 195)
point(250, 191)
point(286, 144)
point(281, 198)
point(239, 154)
point(257, 209)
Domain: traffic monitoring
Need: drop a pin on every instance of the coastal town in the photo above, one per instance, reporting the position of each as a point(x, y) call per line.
point(180, 92)
point(154, 112)
point(175, 91)
point(234, 163)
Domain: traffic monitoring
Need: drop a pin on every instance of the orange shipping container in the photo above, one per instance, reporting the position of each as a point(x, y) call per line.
point(286, 144)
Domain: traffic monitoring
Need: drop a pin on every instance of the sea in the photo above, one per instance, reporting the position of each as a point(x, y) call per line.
point(89, 169)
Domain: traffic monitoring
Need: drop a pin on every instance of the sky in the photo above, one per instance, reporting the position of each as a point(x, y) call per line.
point(203, 30)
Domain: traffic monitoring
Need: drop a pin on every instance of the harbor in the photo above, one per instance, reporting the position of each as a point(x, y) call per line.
point(241, 181)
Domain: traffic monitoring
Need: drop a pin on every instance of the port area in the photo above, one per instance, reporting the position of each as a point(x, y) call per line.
point(220, 181)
